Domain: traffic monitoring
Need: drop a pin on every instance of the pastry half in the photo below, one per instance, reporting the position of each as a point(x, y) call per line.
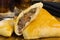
point(6, 27)
point(44, 25)
point(26, 17)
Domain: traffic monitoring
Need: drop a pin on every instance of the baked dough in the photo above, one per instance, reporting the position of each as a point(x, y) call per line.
point(26, 17)
point(6, 27)
point(44, 25)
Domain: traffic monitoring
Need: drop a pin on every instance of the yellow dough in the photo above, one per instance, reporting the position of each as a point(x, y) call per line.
point(6, 27)
point(45, 25)
point(26, 17)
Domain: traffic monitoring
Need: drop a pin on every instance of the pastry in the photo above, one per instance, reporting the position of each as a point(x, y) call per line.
point(6, 27)
point(44, 25)
point(26, 17)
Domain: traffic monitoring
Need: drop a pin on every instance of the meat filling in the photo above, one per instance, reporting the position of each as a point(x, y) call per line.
point(26, 18)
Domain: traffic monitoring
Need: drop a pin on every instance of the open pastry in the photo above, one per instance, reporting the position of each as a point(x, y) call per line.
point(26, 17)
point(44, 25)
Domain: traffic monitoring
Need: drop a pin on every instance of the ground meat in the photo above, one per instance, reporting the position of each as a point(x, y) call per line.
point(26, 18)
